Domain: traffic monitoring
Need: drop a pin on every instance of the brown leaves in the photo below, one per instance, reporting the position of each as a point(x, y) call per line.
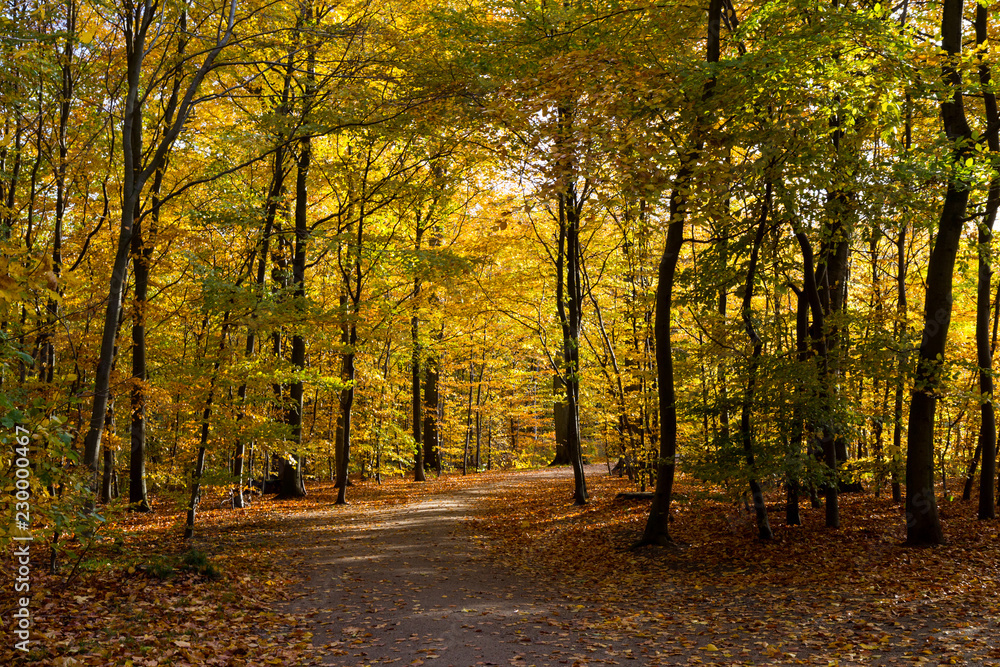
point(722, 597)
point(852, 595)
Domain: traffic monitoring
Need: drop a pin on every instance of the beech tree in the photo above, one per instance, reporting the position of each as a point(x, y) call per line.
point(136, 20)
point(923, 525)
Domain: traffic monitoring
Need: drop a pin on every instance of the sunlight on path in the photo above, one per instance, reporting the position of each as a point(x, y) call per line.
point(409, 585)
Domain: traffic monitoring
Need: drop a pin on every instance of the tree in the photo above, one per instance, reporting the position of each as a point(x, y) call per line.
point(984, 346)
point(136, 21)
point(923, 525)
point(657, 530)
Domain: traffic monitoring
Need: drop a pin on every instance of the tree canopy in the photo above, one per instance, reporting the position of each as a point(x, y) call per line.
point(746, 243)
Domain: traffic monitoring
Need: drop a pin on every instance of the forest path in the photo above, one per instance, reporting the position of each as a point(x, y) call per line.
point(409, 584)
point(499, 569)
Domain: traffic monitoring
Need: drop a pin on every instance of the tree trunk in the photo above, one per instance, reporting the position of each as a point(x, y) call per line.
point(570, 312)
point(346, 407)
point(417, 404)
point(901, 364)
point(657, 530)
point(793, 466)
point(107, 479)
point(292, 482)
point(46, 371)
point(984, 349)
point(561, 420)
point(922, 523)
point(432, 401)
point(818, 333)
point(142, 252)
point(468, 426)
point(760, 509)
point(352, 274)
point(135, 174)
point(199, 471)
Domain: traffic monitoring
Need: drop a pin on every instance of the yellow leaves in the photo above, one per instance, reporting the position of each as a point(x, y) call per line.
point(22, 274)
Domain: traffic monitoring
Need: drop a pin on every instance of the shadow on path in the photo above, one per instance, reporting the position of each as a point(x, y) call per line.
point(410, 585)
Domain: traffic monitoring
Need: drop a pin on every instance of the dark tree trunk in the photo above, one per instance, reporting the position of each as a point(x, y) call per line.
point(416, 371)
point(479, 413)
point(292, 479)
point(417, 403)
point(275, 193)
point(142, 252)
point(137, 496)
point(922, 523)
point(138, 20)
point(292, 482)
point(818, 333)
point(346, 408)
point(984, 350)
point(792, 474)
point(569, 301)
point(47, 366)
point(901, 364)
point(199, 471)
point(107, 479)
point(657, 529)
point(351, 301)
point(561, 420)
point(468, 426)
point(432, 401)
point(746, 428)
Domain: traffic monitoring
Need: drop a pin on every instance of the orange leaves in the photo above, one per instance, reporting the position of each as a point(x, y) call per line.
point(812, 595)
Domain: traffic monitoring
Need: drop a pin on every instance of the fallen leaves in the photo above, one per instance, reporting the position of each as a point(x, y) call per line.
point(811, 596)
point(719, 592)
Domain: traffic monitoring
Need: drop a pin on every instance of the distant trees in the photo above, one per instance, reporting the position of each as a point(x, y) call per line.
point(386, 239)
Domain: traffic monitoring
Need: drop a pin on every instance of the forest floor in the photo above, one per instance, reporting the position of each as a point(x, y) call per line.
point(500, 569)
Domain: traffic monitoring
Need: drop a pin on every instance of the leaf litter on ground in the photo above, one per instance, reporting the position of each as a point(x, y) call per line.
point(812, 595)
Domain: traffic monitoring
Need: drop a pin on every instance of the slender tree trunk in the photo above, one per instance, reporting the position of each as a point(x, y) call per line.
point(657, 530)
point(417, 404)
point(896, 457)
point(793, 465)
point(468, 425)
point(479, 412)
point(746, 428)
point(432, 399)
point(138, 20)
point(571, 348)
point(206, 416)
point(818, 333)
point(48, 352)
point(107, 479)
point(142, 252)
point(351, 300)
point(292, 482)
point(199, 472)
point(984, 350)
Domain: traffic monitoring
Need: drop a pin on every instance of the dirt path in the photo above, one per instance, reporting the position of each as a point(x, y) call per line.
point(410, 585)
